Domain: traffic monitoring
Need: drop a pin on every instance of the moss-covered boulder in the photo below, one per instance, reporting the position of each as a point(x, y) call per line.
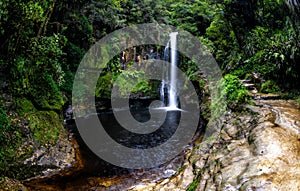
point(33, 141)
point(45, 126)
point(24, 106)
point(48, 97)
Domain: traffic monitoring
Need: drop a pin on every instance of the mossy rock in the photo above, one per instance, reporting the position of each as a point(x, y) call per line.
point(24, 106)
point(45, 94)
point(45, 126)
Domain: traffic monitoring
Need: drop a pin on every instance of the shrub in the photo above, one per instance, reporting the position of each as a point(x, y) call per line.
point(232, 94)
point(235, 91)
point(269, 87)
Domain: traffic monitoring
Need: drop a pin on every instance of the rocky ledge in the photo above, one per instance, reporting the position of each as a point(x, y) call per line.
point(258, 149)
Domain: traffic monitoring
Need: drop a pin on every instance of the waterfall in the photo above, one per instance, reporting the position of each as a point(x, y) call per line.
point(173, 73)
point(168, 85)
point(165, 75)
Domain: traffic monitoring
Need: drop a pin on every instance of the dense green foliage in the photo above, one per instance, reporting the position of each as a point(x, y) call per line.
point(232, 91)
point(257, 36)
point(42, 44)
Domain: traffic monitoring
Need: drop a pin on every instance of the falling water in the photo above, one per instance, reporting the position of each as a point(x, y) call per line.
point(168, 85)
point(173, 73)
point(165, 76)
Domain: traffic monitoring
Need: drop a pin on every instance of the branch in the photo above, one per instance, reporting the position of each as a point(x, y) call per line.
point(48, 16)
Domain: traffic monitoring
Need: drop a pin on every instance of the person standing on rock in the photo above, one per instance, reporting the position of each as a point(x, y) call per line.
point(139, 62)
point(123, 60)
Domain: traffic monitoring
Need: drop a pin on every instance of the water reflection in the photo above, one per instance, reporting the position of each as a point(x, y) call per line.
point(94, 169)
point(134, 140)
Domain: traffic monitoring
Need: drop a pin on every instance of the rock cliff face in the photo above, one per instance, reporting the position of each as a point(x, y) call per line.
point(255, 150)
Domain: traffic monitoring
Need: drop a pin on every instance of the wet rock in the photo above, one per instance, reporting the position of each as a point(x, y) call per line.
point(165, 181)
point(188, 177)
point(266, 159)
point(232, 130)
point(169, 173)
point(60, 155)
point(255, 152)
point(140, 187)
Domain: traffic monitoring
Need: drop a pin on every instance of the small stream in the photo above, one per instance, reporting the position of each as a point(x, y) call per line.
point(286, 113)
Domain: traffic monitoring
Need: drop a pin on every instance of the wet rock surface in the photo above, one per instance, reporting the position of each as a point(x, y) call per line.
point(255, 150)
point(60, 157)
